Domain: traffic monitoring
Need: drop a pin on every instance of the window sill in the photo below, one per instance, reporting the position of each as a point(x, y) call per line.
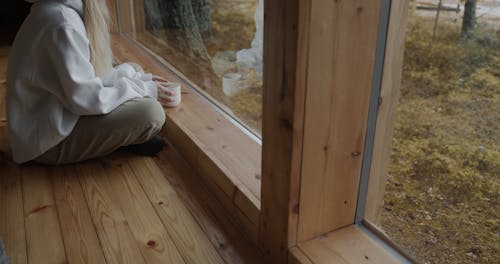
point(347, 245)
point(226, 158)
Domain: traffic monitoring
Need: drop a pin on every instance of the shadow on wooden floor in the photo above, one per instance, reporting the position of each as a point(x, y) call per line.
point(117, 209)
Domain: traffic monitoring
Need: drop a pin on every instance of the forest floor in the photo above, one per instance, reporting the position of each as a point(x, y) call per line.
point(442, 201)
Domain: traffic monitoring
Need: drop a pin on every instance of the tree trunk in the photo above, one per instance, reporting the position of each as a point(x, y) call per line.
point(469, 20)
point(188, 17)
point(201, 10)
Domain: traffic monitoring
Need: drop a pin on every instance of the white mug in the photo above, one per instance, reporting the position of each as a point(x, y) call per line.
point(175, 89)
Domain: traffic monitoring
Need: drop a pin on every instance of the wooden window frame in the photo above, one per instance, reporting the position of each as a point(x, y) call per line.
point(290, 222)
point(336, 234)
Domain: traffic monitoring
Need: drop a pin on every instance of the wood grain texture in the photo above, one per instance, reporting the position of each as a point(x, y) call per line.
point(43, 233)
point(193, 244)
point(12, 217)
point(113, 230)
point(5, 151)
point(3, 84)
point(154, 241)
point(125, 16)
point(299, 109)
point(342, 44)
point(283, 101)
point(233, 163)
point(218, 177)
point(113, 15)
point(346, 246)
point(296, 256)
point(78, 232)
point(223, 230)
point(237, 156)
point(230, 166)
point(389, 98)
point(139, 14)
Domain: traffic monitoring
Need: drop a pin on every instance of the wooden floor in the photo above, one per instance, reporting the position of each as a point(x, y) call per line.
point(118, 209)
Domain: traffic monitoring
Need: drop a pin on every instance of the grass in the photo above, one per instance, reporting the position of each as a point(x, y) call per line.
point(442, 200)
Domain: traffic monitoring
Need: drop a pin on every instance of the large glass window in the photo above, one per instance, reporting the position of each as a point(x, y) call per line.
point(442, 196)
point(216, 44)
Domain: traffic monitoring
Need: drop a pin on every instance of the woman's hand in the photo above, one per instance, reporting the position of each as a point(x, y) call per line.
point(164, 95)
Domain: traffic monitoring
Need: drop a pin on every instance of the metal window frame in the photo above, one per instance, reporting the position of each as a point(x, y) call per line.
point(389, 246)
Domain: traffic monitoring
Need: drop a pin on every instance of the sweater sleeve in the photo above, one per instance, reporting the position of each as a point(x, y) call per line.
point(80, 90)
point(134, 73)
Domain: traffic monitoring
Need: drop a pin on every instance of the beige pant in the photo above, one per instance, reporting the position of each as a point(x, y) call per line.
point(133, 122)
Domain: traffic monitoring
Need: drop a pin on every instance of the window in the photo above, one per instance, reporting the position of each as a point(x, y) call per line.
point(216, 45)
point(440, 201)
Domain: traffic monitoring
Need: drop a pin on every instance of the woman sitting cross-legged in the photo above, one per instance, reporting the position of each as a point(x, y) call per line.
point(65, 101)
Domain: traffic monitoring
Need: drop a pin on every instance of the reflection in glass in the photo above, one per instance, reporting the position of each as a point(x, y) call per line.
point(217, 45)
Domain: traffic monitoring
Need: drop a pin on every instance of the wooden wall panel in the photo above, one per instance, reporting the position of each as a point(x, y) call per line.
point(389, 95)
point(299, 108)
point(113, 16)
point(282, 126)
point(139, 16)
point(77, 229)
point(125, 13)
point(342, 45)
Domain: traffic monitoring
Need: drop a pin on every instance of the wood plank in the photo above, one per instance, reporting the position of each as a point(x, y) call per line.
point(343, 41)
point(139, 13)
point(5, 151)
point(246, 226)
point(296, 256)
point(346, 246)
point(192, 243)
point(222, 230)
point(113, 16)
point(299, 109)
point(43, 233)
point(217, 177)
point(79, 235)
point(125, 16)
point(3, 85)
point(196, 128)
point(113, 230)
point(12, 217)
point(389, 98)
point(155, 242)
point(227, 201)
point(283, 101)
point(246, 203)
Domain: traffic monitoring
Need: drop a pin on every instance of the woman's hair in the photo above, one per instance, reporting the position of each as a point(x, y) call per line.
point(96, 19)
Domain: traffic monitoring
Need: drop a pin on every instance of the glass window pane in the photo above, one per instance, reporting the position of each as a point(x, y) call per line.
point(216, 44)
point(442, 202)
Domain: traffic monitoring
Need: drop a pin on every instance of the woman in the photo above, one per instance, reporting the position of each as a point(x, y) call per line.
point(65, 101)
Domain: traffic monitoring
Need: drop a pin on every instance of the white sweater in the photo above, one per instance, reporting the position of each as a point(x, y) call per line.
point(51, 83)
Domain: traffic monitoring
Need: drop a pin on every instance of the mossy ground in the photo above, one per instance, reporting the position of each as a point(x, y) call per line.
point(442, 200)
